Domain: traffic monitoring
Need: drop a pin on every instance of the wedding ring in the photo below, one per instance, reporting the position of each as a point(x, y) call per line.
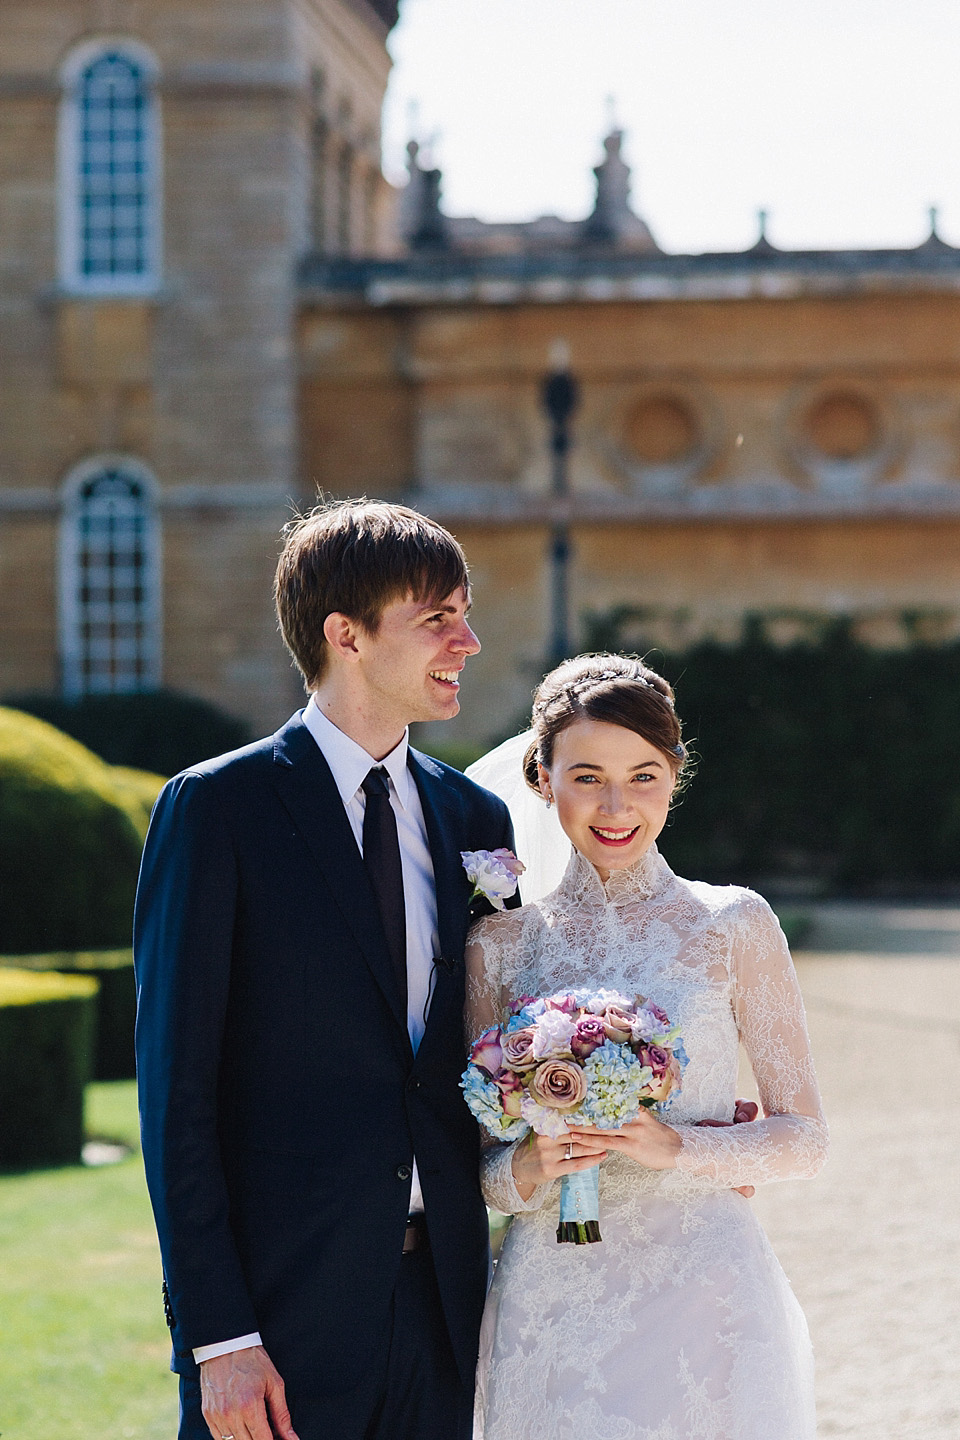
point(569, 1154)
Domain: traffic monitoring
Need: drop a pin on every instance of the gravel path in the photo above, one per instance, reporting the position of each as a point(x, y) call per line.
point(872, 1246)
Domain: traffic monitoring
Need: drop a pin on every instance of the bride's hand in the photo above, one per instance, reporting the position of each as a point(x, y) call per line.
point(538, 1159)
point(646, 1140)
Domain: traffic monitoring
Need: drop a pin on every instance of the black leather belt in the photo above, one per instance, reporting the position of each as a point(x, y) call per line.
point(415, 1236)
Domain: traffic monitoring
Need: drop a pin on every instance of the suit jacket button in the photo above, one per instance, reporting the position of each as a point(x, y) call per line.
point(413, 1083)
point(404, 1172)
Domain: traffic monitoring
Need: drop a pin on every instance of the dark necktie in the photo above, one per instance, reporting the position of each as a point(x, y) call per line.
point(381, 855)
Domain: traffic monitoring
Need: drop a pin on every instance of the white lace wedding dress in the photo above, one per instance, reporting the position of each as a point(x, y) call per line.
point(680, 1324)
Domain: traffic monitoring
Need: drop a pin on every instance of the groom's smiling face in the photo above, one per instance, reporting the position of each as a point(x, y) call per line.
point(411, 666)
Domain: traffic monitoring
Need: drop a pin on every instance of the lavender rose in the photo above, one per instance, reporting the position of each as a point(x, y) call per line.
point(655, 1056)
point(517, 1049)
point(618, 1023)
point(559, 1084)
point(486, 1052)
point(589, 1035)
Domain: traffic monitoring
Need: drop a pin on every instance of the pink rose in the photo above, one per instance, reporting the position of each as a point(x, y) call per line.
point(511, 1093)
point(588, 1036)
point(517, 1049)
point(486, 1052)
point(559, 1084)
point(565, 1003)
point(617, 1023)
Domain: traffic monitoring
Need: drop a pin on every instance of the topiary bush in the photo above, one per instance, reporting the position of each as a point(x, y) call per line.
point(158, 730)
point(116, 1003)
point(141, 788)
point(70, 843)
point(46, 1055)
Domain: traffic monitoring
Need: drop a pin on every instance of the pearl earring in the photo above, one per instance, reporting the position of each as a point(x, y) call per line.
point(549, 800)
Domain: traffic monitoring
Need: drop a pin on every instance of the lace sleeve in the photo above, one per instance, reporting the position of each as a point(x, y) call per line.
point(790, 1142)
point(485, 1007)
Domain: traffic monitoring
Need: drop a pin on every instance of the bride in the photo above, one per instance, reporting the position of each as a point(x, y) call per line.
point(680, 1324)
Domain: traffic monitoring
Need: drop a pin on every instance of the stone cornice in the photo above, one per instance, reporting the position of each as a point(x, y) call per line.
point(497, 505)
point(38, 500)
point(446, 278)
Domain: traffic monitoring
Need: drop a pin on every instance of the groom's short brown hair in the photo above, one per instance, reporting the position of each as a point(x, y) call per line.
point(355, 557)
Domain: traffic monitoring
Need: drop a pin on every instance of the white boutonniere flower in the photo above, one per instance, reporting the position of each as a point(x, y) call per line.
point(493, 873)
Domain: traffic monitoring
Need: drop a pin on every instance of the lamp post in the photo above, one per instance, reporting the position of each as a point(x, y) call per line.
point(560, 396)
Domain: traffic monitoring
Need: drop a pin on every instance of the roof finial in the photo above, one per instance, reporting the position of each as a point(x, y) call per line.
point(762, 245)
point(934, 213)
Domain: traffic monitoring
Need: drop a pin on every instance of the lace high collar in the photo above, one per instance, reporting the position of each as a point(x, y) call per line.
point(581, 884)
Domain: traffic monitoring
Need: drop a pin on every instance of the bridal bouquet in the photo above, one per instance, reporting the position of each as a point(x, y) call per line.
point(582, 1057)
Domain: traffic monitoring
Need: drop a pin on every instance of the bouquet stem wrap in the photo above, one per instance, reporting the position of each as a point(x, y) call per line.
point(580, 1208)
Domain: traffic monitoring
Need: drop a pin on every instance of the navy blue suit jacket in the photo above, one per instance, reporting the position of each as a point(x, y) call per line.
point(281, 1103)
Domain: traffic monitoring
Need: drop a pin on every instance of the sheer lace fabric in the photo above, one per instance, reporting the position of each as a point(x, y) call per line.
point(680, 1325)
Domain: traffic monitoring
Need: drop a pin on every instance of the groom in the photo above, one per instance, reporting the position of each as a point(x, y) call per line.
point(299, 938)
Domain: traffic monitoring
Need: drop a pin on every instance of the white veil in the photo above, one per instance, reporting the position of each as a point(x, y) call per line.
point(541, 843)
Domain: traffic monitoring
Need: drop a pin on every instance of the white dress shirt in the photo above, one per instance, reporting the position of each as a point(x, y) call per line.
point(350, 764)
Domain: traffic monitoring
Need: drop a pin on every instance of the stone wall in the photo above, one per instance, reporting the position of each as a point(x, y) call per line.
point(799, 456)
point(198, 380)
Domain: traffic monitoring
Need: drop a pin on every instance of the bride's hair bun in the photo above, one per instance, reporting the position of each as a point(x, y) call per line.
point(612, 688)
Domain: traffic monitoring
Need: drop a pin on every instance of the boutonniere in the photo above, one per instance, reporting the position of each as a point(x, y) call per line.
point(493, 874)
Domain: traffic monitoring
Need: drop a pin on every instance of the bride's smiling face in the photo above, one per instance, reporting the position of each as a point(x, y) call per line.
point(612, 791)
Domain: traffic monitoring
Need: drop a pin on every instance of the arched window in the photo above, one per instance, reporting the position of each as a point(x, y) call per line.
point(109, 579)
point(109, 184)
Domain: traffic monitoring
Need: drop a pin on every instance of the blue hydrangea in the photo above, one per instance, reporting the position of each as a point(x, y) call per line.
point(614, 1078)
point(483, 1099)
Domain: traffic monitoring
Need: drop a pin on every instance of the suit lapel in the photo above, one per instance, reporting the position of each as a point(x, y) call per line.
point(443, 815)
point(309, 794)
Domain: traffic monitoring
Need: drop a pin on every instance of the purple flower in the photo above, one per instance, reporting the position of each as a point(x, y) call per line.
point(511, 1092)
point(552, 1035)
point(589, 1035)
point(486, 1052)
point(493, 874)
point(656, 1057)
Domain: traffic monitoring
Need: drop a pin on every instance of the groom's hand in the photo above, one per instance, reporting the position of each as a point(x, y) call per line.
point(243, 1397)
point(743, 1112)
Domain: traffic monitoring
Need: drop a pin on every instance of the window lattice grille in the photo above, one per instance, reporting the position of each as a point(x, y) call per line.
point(114, 162)
point(113, 645)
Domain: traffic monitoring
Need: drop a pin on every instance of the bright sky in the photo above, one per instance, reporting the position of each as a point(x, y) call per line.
point(840, 117)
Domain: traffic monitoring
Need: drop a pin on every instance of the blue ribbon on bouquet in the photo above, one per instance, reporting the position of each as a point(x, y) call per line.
point(580, 1208)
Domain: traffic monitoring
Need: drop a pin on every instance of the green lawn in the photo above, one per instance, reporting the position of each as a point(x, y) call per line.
point(83, 1347)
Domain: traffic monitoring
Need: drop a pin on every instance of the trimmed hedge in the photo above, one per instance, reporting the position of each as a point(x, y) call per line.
point(823, 760)
point(46, 1060)
point(140, 788)
point(70, 843)
point(116, 1005)
point(157, 730)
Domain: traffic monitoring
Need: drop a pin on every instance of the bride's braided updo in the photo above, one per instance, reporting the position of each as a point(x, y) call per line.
point(612, 688)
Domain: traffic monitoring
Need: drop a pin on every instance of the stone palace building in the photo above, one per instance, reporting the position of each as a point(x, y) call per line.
point(213, 306)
